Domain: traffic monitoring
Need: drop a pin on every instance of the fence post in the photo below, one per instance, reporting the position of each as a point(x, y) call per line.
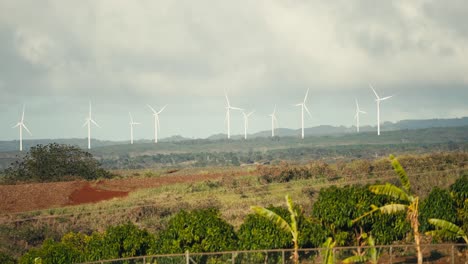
point(391, 254)
point(232, 258)
point(282, 256)
point(453, 254)
point(187, 257)
point(144, 260)
point(334, 255)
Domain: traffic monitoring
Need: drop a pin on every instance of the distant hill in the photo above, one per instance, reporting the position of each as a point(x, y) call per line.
point(323, 130)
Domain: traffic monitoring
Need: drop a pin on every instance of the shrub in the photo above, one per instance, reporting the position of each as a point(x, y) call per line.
point(197, 231)
point(55, 162)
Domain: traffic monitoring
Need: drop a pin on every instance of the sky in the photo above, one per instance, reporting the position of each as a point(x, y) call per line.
point(120, 55)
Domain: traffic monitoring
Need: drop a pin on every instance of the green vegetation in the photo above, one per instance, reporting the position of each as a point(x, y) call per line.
point(166, 225)
point(55, 162)
point(409, 203)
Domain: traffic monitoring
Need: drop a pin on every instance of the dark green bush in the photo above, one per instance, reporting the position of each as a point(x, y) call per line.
point(55, 162)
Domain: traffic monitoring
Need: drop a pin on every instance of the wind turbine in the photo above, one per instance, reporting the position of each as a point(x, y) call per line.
point(358, 111)
point(273, 121)
point(88, 122)
point(131, 127)
point(246, 122)
point(156, 121)
point(21, 125)
point(228, 114)
point(304, 106)
point(378, 100)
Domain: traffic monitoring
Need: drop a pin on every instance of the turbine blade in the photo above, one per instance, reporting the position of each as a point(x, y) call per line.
point(305, 97)
point(22, 116)
point(298, 104)
point(162, 109)
point(235, 108)
point(385, 98)
point(86, 122)
point(363, 112)
point(357, 105)
point(16, 125)
point(376, 95)
point(227, 99)
point(94, 122)
point(249, 114)
point(131, 118)
point(25, 127)
point(152, 109)
point(356, 115)
point(89, 109)
point(307, 110)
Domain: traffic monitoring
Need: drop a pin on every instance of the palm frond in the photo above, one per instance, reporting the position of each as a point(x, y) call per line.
point(293, 214)
point(389, 189)
point(272, 216)
point(401, 173)
point(392, 208)
point(447, 230)
point(327, 253)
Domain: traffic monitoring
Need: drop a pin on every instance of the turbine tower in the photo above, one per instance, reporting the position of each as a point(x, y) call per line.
point(303, 106)
point(273, 121)
point(358, 111)
point(246, 122)
point(228, 114)
point(88, 122)
point(378, 100)
point(131, 127)
point(21, 125)
point(156, 121)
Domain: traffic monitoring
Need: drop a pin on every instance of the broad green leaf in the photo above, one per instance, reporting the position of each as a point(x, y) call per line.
point(447, 230)
point(273, 217)
point(392, 208)
point(328, 256)
point(401, 173)
point(390, 190)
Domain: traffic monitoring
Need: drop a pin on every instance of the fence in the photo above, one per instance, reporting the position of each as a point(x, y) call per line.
point(433, 253)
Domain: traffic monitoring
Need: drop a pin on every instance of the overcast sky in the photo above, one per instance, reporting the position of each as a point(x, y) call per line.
point(121, 55)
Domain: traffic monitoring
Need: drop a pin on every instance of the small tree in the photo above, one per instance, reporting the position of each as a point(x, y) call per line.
point(409, 203)
point(282, 223)
point(55, 162)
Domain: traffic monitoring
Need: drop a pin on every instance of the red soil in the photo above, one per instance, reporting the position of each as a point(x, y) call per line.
point(36, 196)
point(88, 194)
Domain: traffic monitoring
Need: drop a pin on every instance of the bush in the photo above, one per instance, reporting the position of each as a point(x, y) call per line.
point(55, 162)
point(196, 231)
point(439, 204)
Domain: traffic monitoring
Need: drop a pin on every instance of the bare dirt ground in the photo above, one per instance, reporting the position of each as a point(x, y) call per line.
point(36, 196)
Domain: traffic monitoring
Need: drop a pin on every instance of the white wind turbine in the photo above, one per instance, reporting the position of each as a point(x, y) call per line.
point(131, 127)
point(88, 122)
point(378, 100)
point(21, 125)
point(304, 106)
point(358, 111)
point(246, 122)
point(156, 121)
point(273, 121)
point(228, 115)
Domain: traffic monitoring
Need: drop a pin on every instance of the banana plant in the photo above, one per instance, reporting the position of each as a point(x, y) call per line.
point(368, 256)
point(447, 230)
point(328, 256)
point(283, 224)
point(409, 203)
